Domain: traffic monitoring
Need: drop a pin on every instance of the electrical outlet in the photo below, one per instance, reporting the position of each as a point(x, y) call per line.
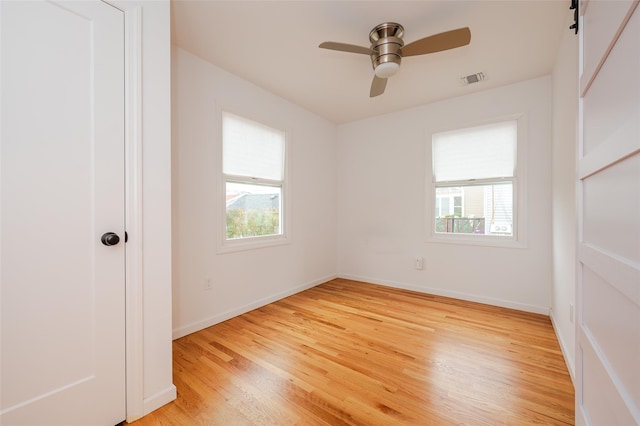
point(419, 262)
point(208, 284)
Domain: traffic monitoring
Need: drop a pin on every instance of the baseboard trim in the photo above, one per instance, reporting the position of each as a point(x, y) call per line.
point(563, 347)
point(159, 399)
point(208, 322)
point(453, 294)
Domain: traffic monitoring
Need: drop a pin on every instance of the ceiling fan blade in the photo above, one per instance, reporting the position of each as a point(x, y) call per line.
point(345, 47)
point(377, 86)
point(438, 42)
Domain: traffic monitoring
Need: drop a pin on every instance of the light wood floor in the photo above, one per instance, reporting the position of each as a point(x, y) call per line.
point(347, 352)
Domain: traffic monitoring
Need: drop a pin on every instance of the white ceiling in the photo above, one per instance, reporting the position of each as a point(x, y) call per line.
point(274, 44)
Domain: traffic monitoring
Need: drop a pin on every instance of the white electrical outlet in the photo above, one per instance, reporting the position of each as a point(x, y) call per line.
point(208, 284)
point(419, 262)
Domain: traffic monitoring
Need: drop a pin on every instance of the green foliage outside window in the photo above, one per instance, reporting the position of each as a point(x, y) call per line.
point(243, 223)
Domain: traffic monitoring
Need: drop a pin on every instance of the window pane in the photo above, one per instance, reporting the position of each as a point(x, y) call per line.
point(448, 201)
point(253, 210)
point(457, 206)
point(479, 209)
point(482, 152)
point(444, 208)
point(251, 149)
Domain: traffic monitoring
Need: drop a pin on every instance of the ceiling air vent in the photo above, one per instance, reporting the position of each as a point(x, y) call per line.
point(473, 78)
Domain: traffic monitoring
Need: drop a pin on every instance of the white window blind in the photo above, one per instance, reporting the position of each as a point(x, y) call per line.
point(481, 152)
point(251, 149)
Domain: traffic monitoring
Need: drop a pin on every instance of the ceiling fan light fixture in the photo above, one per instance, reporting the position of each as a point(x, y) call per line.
point(387, 69)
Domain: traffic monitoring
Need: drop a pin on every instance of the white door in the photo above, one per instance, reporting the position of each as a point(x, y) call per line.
point(608, 291)
point(62, 188)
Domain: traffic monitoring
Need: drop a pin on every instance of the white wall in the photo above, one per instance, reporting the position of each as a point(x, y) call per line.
point(563, 191)
point(247, 279)
point(381, 203)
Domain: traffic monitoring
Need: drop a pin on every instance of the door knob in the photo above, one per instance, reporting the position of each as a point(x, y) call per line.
point(110, 239)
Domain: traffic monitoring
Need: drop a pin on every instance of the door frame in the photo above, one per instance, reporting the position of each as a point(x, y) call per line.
point(134, 297)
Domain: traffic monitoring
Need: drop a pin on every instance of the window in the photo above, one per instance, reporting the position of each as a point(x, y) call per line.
point(474, 181)
point(253, 175)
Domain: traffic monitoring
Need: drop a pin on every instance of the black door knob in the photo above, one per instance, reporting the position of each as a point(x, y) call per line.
point(110, 239)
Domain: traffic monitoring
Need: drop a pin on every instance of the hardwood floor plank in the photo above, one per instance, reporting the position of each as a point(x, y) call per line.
point(351, 353)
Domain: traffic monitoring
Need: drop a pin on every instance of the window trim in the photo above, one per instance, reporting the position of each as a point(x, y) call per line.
point(225, 245)
point(518, 239)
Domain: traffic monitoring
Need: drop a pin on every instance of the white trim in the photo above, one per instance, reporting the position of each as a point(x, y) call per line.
point(253, 243)
point(563, 347)
point(623, 144)
point(587, 77)
point(134, 221)
point(476, 240)
point(208, 322)
point(542, 310)
point(134, 297)
point(620, 273)
point(611, 373)
point(159, 399)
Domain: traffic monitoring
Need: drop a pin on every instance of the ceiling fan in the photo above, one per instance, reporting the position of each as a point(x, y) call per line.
point(387, 49)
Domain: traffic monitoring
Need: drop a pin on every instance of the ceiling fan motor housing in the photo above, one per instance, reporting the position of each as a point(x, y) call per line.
point(386, 42)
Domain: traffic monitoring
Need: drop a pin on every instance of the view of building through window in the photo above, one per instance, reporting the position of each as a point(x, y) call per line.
point(475, 209)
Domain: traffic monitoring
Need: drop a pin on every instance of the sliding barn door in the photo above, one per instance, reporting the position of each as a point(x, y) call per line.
point(62, 183)
point(608, 299)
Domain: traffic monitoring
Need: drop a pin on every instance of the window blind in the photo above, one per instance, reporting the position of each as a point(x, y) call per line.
point(251, 149)
point(475, 153)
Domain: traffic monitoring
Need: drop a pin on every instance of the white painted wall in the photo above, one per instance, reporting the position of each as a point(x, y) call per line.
point(247, 279)
point(563, 191)
point(381, 203)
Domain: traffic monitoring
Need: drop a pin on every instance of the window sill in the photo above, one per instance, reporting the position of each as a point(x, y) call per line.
point(232, 246)
point(477, 240)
